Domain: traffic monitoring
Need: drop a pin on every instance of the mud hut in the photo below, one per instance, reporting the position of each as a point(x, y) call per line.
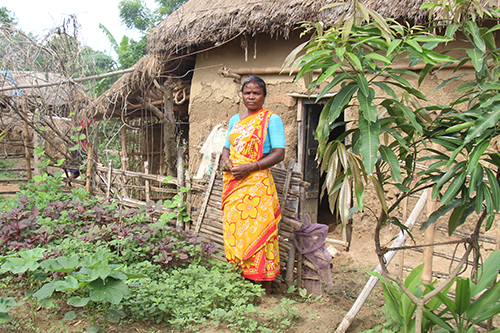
point(190, 80)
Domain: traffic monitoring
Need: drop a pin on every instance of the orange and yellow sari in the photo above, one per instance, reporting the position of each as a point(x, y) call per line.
point(251, 210)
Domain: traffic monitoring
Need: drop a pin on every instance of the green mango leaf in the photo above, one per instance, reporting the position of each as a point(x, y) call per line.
point(355, 60)
point(454, 188)
point(424, 72)
point(390, 158)
point(365, 105)
point(476, 56)
point(292, 55)
point(454, 220)
point(476, 155)
point(333, 83)
point(394, 44)
point(363, 84)
point(369, 143)
point(341, 99)
point(388, 90)
point(473, 29)
point(380, 192)
point(376, 56)
point(411, 116)
point(345, 201)
point(495, 189)
point(447, 176)
point(112, 291)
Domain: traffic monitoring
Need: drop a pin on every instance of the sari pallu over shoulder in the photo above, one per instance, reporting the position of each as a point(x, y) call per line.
point(250, 205)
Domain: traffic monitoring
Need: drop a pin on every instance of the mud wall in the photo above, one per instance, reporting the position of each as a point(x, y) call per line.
point(215, 99)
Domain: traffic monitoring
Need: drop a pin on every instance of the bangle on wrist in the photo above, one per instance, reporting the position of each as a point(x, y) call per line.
point(223, 157)
point(260, 168)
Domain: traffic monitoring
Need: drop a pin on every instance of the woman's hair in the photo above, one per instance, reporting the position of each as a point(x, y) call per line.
point(257, 80)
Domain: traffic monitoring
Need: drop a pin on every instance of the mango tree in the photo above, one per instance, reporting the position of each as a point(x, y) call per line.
point(360, 59)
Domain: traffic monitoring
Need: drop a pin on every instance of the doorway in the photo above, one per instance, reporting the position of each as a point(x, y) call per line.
point(317, 208)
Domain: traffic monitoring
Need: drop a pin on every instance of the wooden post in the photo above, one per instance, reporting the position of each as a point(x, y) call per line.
point(124, 159)
point(146, 182)
point(26, 140)
point(89, 165)
point(289, 266)
point(180, 181)
point(187, 177)
point(108, 189)
point(402, 253)
point(37, 141)
point(428, 250)
point(208, 190)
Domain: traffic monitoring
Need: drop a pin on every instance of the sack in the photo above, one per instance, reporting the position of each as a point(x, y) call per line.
point(310, 241)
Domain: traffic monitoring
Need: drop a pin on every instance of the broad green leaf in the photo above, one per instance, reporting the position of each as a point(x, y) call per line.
point(114, 316)
point(476, 56)
point(490, 86)
point(490, 101)
point(438, 57)
point(458, 127)
point(78, 301)
point(438, 321)
point(112, 291)
point(369, 143)
point(414, 44)
point(484, 122)
point(365, 105)
point(476, 179)
point(451, 29)
point(44, 292)
point(391, 159)
point(70, 315)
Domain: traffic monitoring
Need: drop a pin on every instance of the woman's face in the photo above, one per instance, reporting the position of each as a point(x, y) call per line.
point(253, 96)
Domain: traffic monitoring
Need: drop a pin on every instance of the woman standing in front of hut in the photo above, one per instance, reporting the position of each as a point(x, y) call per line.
point(251, 211)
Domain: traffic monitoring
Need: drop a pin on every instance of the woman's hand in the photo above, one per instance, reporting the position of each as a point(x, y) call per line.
point(226, 164)
point(242, 170)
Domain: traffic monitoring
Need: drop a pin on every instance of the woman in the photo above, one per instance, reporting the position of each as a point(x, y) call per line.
point(251, 211)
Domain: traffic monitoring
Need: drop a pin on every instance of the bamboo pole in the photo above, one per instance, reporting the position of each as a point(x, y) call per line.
point(289, 266)
point(26, 140)
point(349, 317)
point(429, 250)
point(124, 159)
point(108, 188)
point(146, 182)
point(180, 182)
point(90, 156)
point(189, 193)
point(489, 323)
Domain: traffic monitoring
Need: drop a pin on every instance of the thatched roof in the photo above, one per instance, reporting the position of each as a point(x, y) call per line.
point(113, 102)
point(216, 21)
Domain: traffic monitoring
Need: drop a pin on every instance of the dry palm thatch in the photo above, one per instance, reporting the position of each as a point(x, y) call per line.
point(217, 21)
point(116, 100)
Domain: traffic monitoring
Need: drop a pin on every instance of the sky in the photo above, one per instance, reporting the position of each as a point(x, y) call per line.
point(39, 16)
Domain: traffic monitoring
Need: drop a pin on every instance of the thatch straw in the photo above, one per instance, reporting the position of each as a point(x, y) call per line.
point(216, 21)
point(114, 101)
